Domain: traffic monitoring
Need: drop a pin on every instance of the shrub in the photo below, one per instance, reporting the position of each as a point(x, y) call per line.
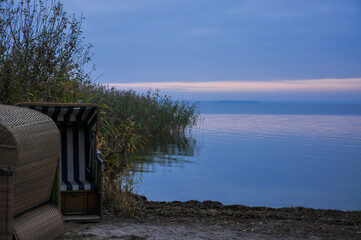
point(42, 53)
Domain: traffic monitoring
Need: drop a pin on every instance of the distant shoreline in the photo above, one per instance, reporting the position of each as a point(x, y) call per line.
point(285, 108)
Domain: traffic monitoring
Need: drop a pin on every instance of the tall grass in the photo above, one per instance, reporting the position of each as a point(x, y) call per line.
point(155, 113)
point(129, 121)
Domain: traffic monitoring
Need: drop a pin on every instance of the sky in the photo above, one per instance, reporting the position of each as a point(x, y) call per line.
point(271, 50)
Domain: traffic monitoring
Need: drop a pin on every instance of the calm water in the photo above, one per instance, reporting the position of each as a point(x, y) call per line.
point(255, 154)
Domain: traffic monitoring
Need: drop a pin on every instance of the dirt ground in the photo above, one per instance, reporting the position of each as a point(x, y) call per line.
point(213, 220)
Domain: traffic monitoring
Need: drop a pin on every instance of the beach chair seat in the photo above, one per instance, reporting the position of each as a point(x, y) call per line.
point(75, 147)
point(79, 167)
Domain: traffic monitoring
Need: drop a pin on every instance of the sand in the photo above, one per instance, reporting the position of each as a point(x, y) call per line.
point(213, 220)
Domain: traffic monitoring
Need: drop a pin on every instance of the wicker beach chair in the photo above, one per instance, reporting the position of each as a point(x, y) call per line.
point(29, 152)
point(79, 166)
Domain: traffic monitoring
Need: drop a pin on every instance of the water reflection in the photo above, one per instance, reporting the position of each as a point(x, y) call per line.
point(260, 160)
point(168, 152)
point(262, 126)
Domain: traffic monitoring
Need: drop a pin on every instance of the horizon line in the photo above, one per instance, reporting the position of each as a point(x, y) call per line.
point(305, 85)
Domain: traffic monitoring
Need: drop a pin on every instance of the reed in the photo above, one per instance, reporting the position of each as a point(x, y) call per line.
point(129, 120)
point(157, 114)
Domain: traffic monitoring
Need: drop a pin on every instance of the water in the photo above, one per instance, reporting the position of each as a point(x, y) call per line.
point(260, 156)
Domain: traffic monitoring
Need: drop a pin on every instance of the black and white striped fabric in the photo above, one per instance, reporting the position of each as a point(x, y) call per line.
point(77, 126)
point(69, 114)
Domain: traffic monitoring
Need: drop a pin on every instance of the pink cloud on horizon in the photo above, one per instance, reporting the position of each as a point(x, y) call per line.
point(308, 85)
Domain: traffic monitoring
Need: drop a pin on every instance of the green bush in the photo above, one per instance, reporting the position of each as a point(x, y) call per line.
point(42, 53)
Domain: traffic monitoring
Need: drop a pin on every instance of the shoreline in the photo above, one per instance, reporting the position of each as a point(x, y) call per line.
point(213, 220)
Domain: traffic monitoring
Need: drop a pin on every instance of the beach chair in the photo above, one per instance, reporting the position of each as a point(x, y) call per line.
point(80, 168)
point(29, 152)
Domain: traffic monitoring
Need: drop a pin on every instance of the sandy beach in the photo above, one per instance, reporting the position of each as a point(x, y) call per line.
point(213, 220)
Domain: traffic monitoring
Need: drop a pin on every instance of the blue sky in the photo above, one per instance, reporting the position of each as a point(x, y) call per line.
point(227, 49)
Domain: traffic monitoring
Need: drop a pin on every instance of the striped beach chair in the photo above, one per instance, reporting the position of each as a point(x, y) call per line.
point(79, 166)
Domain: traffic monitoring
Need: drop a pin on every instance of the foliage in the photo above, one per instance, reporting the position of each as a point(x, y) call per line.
point(128, 121)
point(42, 54)
point(155, 114)
point(119, 183)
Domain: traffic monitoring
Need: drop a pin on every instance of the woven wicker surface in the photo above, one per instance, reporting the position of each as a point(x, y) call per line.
point(6, 204)
point(29, 143)
point(45, 222)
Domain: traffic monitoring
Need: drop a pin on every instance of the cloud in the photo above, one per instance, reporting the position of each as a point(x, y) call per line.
point(310, 85)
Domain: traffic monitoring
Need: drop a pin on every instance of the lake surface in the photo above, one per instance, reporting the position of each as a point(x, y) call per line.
point(262, 154)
